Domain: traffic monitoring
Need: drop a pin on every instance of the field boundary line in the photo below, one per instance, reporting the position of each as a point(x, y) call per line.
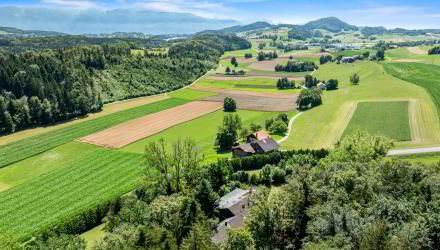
point(289, 128)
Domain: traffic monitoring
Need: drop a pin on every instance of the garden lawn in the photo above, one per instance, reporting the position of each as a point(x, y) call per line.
point(323, 126)
point(424, 75)
point(390, 119)
point(79, 183)
point(203, 132)
point(25, 148)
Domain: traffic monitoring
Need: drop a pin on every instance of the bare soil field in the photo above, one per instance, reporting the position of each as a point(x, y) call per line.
point(248, 77)
point(258, 101)
point(268, 65)
point(306, 55)
point(407, 60)
point(417, 51)
point(129, 132)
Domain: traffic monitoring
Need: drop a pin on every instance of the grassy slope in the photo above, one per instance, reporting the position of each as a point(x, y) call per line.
point(388, 119)
point(431, 158)
point(323, 126)
point(424, 75)
point(190, 94)
point(81, 182)
point(202, 130)
point(22, 149)
point(404, 53)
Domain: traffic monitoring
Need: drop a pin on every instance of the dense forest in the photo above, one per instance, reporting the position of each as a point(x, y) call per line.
point(352, 197)
point(47, 86)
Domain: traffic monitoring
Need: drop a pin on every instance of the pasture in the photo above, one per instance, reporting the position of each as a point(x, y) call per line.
point(324, 125)
point(423, 75)
point(134, 130)
point(25, 148)
point(80, 183)
point(389, 119)
point(431, 158)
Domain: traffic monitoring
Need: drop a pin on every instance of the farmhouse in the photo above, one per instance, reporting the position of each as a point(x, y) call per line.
point(233, 208)
point(321, 86)
point(257, 143)
point(350, 59)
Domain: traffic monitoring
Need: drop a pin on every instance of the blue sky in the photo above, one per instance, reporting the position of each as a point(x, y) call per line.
point(388, 13)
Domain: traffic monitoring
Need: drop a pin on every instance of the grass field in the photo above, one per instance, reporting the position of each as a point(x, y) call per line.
point(424, 75)
point(203, 131)
point(22, 149)
point(247, 84)
point(404, 55)
point(80, 182)
point(323, 126)
point(93, 235)
point(390, 119)
point(240, 53)
point(190, 94)
point(431, 158)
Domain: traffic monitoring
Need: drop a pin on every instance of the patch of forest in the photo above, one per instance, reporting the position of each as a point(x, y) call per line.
point(48, 86)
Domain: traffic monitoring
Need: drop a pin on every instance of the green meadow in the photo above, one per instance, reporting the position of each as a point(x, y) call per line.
point(423, 75)
point(247, 84)
point(389, 119)
point(323, 126)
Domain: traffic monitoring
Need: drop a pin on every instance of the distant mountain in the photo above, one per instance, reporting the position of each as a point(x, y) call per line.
point(241, 28)
point(96, 21)
point(14, 32)
point(332, 24)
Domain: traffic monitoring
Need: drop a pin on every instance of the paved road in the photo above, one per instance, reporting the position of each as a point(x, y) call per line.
point(414, 151)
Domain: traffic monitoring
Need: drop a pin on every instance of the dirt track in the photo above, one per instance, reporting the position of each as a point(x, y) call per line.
point(129, 132)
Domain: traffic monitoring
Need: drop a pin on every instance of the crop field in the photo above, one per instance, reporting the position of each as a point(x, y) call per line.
point(404, 55)
point(82, 183)
point(204, 141)
point(259, 103)
point(390, 119)
point(424, 75)
point(323, 126)
point(134, 130)
point(267, 65)
point(257, 84)
point(22, 149)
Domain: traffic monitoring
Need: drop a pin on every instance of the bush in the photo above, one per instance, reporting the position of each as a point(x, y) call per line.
point(278, 127)
point(229, 105)
point(434, 51)
point(309, 98)
point(331, 84)
point(355, 79)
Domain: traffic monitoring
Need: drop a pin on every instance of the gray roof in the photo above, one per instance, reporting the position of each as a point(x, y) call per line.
point(268, 144)
point(233, 198)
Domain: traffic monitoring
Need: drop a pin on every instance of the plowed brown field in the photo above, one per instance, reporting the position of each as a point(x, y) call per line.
point(126, 133)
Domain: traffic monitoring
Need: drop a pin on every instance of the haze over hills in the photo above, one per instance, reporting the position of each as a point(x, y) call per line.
point(96, 21)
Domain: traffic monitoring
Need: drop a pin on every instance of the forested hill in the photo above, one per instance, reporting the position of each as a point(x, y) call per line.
point(44, 87)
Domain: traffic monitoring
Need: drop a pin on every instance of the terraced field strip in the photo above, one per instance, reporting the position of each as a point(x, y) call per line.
point(258, 101)
point(51, 199)
point(25, 148)
point(129, 132)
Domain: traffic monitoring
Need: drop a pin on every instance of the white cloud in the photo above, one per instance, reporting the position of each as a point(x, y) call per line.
point(202, 8)
point(79, 4)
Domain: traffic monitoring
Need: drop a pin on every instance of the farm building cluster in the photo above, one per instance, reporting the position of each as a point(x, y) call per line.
point(257, 143)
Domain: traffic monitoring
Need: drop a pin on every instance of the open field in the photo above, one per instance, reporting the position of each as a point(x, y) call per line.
point(93, 235)
point(81, 183)
point(424, 75)
point(323, 126)
point(267, 65)
point(203, 131)
point(431, 158)
point(255, 84)
point(417, 51)
point(134, 130)
point(190, 94)
point(404, 55)
point(24, 148)
point(259, 103)
point(390, 119)
point(106, 110)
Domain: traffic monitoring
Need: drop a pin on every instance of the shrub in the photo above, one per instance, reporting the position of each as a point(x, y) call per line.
point(355, 79)
point(278, 127)
point(332, 84)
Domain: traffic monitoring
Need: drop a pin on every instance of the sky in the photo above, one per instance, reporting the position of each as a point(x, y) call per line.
point(389, 13)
